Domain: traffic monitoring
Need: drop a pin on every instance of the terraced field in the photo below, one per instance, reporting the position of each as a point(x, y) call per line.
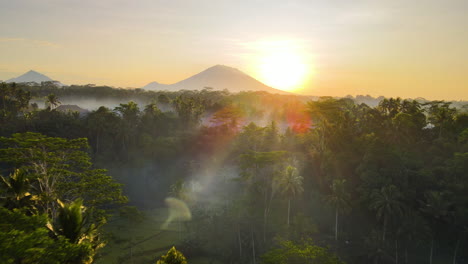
point(143, 242)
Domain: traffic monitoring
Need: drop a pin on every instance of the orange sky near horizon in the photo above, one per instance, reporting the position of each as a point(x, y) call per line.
point(390, 48)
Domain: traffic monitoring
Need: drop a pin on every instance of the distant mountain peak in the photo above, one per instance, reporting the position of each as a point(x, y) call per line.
point(223, 68)
point(31, 76)
point(154, 86)
point(218, 77)
point(33, 72)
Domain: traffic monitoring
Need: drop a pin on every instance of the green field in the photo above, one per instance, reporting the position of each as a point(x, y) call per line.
point(142, 242)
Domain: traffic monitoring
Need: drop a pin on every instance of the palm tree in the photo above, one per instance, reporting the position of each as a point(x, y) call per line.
point(99, 122)
point(17, 189)
point(130, 114)
point(70, 219)
point(375, 248)
point(441, 115)
point(73, 223)
point(437, 208)
point(188, 109)
point(390, 107)
point(152, 111)
point(338, 199)
point(460, 223)
point(387, 203)
point(151, 120)
point(52, 101)
point(291, 185)
point(413, 229)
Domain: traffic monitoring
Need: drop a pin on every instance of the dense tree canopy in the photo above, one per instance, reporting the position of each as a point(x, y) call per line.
point(381, 184)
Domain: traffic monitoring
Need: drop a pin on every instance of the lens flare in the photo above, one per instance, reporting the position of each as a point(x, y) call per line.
point(178, 211)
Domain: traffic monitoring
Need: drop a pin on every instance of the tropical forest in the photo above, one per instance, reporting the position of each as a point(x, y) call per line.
point(96, 174)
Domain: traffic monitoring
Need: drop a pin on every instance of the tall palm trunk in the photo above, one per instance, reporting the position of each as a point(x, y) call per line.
point(396, 251)
point(97, 143)
point(406, 253)
point(265, 216)
point(384, 228)
point(131, 252)
point(456, 251)
point(240, 242)
point(432, 251)
point(253, 249)
point(336, 224)
point(289, 209)
point(266, 213)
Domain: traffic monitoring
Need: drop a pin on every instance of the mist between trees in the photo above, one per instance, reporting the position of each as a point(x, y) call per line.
point(250, 177)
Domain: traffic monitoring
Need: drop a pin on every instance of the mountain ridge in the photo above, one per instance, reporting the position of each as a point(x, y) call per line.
point(218, 77)
point(31, 76)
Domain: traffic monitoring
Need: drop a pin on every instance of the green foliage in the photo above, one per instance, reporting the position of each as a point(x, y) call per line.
point(290, 182)
point(131, 213)
point(59, 169)
point(16, 190)
point(25, 239)
point(189, 109)
point(305, 252)
point(101, 125)
point(52, 101)
point(73, 222)
point(258, 160)
point(387, 204)
point(12, 100)
point(173, 256)
point(40, 228)
point(339, 198)
point(227, 118)
point(394, 176)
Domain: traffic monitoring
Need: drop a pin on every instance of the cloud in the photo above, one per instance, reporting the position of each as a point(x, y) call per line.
point(33, 42)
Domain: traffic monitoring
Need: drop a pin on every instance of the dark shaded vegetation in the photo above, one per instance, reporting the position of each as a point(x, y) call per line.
point(268, 178)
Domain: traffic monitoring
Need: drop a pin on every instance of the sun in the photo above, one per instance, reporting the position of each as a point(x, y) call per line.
point(282, 65)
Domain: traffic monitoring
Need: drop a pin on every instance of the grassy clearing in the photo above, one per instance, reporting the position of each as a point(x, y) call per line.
point(141, 242)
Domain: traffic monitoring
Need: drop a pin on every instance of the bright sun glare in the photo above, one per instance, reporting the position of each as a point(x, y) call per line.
point(282, 65)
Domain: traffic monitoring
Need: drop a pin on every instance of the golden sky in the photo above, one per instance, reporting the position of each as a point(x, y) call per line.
point(401, 48)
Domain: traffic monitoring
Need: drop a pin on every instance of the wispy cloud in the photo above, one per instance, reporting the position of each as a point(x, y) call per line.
point(34, 42)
